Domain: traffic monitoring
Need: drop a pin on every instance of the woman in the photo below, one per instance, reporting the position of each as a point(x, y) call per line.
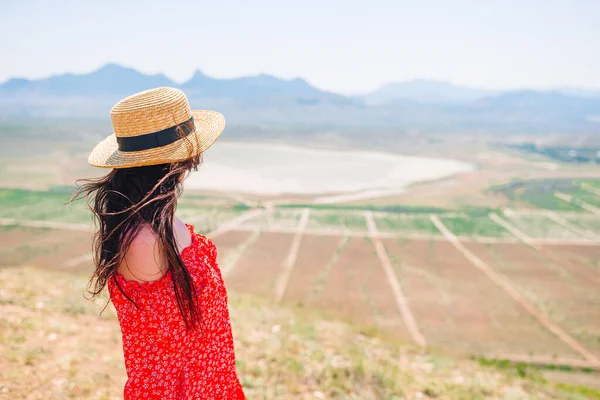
point(162, 278)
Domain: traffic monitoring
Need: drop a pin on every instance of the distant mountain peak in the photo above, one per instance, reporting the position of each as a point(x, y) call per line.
point(14, 85)
point(300, 80)
point(426, 91)
point(117, 71)
point(111, 67)
point(425, 80)
point(198, 74)
point(111, 80)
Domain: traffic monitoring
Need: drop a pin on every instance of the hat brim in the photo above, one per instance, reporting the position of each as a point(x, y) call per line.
point(208, 126)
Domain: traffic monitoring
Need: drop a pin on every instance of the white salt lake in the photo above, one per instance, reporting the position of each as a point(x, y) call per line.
point(271, 169)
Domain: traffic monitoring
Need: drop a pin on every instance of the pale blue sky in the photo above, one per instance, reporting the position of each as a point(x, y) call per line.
point(344, 46)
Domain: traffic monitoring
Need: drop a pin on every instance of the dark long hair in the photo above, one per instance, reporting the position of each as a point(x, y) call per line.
point(122, 202)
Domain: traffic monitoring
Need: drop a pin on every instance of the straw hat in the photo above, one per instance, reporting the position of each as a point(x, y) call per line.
point(153, 127)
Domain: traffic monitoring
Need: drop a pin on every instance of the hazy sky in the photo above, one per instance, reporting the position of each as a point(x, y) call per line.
point(344, 46)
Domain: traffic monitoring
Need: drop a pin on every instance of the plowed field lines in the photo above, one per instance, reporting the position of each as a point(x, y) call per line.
point(314, 255)
point(358, 289)
point(257, 271)
point(567, 298)
point(458, 306)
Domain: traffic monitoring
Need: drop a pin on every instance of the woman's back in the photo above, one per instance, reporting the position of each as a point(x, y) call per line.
point(165, 360)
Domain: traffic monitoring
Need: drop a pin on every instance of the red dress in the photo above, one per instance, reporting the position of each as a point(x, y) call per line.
point(162, 359)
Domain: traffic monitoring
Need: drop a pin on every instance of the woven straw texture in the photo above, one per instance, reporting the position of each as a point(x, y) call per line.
point(151, 111)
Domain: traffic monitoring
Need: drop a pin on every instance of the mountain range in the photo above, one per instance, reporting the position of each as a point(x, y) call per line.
point(420, 105)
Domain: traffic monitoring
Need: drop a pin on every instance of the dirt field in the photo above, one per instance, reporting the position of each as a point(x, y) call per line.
point(258, 268)
point(359, 290)
point(11, 236)
point(558, 290)
point(343, 292)
point(42, 245)
point(228, 242)
point(590, 254)
point(312, 267)
point(458, 307)
point(66, 257)
point(575, 261)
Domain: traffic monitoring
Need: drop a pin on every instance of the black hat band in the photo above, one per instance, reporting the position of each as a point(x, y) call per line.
point(156, 139)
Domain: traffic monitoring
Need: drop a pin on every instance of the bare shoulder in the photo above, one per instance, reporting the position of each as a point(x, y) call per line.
point(144, 260)
point(182, 234)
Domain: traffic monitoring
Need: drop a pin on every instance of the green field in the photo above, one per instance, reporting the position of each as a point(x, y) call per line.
point(205, 218)
point(52, 206)
point(593, 183)
point(352, 221)
point(539, 226)
point(276, 219)
point(475, 225)
point(585, 196)
point(206, 213)
point(405, 223)
point(539, 193)
point(41, 206)
point(591, 223)
point(547, 200)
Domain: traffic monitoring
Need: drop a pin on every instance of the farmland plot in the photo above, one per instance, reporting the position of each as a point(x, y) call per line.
point(579, 260)
point(456, 305)
point(340, 222)
point(41, 206)
point(357, 289)
point(257, 270)
point(228, 246)
point(585, 196)
point(540, 227)
point(278, 219)
point(588, 222)
point(405, 224)
point(588, 256)
point(206, 219)
point(540, 194)
point(45, 247)
point(559, 290)
point(315, 258)
point(75, 256)
point(13, 235)
point(475, 226)
point(592, 183)
point(590, 253)
point(193, 211)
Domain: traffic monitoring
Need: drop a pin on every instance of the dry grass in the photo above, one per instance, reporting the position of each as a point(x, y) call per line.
point(55, 345)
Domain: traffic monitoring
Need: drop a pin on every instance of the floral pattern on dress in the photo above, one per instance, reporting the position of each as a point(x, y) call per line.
point(164, 360)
